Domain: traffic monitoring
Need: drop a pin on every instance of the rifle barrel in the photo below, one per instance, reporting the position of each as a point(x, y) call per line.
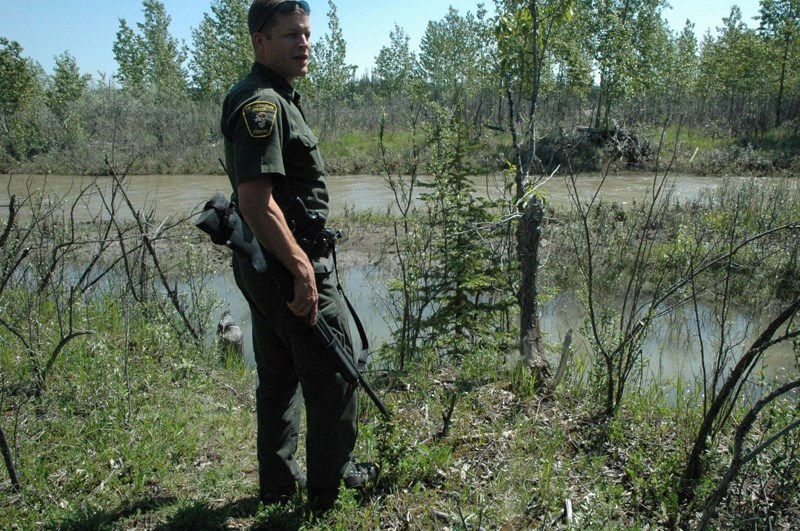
point(347, 367)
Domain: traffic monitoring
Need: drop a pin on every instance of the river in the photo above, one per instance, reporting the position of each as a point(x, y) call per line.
point(670, 351)
point(183, 194)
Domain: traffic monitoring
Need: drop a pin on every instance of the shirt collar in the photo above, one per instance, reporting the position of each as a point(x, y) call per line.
point(278, 83)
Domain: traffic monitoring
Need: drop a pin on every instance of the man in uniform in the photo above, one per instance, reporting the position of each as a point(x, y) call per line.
point(272, 158)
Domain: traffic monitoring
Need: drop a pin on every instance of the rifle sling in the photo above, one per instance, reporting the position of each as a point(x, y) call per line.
point(364, 356)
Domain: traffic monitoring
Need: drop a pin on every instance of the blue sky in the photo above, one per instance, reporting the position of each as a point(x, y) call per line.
point(87, 28)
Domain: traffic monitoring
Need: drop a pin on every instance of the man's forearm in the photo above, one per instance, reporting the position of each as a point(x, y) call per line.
point(278, 239)
point(265, 218)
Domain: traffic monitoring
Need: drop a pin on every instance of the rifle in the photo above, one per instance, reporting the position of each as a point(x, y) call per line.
point(222, 222)
point(330, 341)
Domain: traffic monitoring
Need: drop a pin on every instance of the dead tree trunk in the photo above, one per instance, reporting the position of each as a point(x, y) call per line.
point(529, 233)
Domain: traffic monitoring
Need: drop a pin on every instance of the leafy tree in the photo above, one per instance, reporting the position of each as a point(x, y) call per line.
point(67, 85)
point(674, 78)
point(152, 58)
point(654, 51)
point(780, 26)
point(685, 62)
point(130, 56)
point(525, 37)
point(396, 66)
point(19, 89)
point(733, 68)
point(65, 89)
point(621, 34)
point(222, 48)
point(329, 73)
point(571, 57)
point(17, 77)
point(454, 55)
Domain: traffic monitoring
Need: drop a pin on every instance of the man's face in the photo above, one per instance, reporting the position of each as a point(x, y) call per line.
point(288, 49)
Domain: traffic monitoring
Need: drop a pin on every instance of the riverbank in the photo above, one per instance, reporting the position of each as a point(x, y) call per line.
point(359, 153)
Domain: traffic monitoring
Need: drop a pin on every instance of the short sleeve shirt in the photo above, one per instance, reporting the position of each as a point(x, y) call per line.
point(265, 132)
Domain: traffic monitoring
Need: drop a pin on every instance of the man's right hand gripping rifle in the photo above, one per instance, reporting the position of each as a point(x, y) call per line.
point(302, 235)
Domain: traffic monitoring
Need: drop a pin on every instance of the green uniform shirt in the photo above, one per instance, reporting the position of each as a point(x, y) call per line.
point(266, 133)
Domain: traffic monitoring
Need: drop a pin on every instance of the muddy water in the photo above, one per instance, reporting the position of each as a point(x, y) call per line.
point(182, 194)
point(672, 350)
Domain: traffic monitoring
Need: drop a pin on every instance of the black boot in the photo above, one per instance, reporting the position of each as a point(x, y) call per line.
point(282, 494)
point(360, 475)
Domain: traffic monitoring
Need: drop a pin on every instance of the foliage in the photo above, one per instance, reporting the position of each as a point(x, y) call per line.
point(140, 428)
point(18, 80)
point(738, 89)
point(779, 25)
point(447, 293)
point(19, 89)
point(524, 35)
point(111, 428)
point(151, 59)
point(700, 264)
point(454, 55)
point(329, 74)
point(222, 52)
point(63, 96)
point(538, 44)
point(463, 273)
point(733, 68)
point(397, 69)
point(716, 249)
point(623, 38)
point(173, 448)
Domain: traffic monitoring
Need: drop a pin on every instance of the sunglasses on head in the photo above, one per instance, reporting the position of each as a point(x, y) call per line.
point(285, 7)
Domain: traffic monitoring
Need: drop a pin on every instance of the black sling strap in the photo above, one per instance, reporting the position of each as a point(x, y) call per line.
point(364, 356)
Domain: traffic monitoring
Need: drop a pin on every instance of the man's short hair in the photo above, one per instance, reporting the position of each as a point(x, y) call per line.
point(262, 14)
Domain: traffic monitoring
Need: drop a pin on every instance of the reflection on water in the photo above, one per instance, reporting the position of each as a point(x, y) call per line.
point(671, 351)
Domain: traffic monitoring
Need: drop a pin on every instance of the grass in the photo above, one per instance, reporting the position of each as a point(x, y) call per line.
point(180, 454)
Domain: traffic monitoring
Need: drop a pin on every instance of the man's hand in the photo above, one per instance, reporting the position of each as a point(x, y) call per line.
point(306, 298)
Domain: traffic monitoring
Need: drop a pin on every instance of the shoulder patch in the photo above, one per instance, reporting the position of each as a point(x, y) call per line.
point(259, 117)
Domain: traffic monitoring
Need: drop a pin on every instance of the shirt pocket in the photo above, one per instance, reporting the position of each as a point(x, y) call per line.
point(302, 156)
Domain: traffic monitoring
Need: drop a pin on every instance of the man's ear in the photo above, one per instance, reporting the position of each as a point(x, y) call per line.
point(261, 37)
point(259, 44)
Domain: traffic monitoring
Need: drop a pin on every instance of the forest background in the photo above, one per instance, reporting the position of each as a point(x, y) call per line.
point(606, 64)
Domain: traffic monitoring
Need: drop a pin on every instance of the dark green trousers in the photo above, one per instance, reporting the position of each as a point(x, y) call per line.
point(292, 368)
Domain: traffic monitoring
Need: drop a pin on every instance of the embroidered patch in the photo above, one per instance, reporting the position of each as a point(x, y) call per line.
point(260, 117)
